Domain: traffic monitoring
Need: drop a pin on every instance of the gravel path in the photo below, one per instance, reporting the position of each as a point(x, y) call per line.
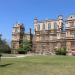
point(19, 56)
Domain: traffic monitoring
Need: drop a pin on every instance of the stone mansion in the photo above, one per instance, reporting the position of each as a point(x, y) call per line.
point(48, 35)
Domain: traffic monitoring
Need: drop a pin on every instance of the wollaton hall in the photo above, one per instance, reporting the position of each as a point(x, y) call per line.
point(48, 35)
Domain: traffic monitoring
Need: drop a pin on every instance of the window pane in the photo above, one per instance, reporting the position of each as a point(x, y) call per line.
point(55, 25)
point(38, 27)
point(49, 26)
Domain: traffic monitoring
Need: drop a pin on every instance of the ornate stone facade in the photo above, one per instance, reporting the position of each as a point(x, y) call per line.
point(18, 35)
point(50, 34)
point(70, 35)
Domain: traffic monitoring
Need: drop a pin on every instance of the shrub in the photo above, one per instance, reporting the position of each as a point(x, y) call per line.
point(60, 51)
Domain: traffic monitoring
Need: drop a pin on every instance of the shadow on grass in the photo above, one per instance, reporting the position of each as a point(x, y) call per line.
point(5, 65)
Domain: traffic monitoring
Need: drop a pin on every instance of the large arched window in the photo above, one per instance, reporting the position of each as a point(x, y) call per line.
point(43, 26)
point(49, 26)
point(55, 25)
point(38, 27)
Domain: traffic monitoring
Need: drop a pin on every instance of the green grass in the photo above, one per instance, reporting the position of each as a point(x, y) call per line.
point(38, 65)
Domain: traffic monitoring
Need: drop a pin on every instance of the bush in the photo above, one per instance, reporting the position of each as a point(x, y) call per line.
point(60, 51)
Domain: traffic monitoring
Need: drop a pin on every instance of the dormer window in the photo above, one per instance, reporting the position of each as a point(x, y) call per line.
point(71, 16)
point(72, 24)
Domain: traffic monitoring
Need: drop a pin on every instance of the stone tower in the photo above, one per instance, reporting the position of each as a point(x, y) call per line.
point(17, 37)
point(70, 35)
point(60, 32)
point(60, 23)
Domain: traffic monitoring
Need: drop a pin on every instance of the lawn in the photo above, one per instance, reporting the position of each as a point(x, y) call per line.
point(38, 65)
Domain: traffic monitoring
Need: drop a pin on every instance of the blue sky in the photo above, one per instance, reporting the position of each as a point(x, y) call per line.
point(24, 11)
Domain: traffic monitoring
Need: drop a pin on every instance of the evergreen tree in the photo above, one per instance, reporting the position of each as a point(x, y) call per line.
point(25, 47)
point(4, 47)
